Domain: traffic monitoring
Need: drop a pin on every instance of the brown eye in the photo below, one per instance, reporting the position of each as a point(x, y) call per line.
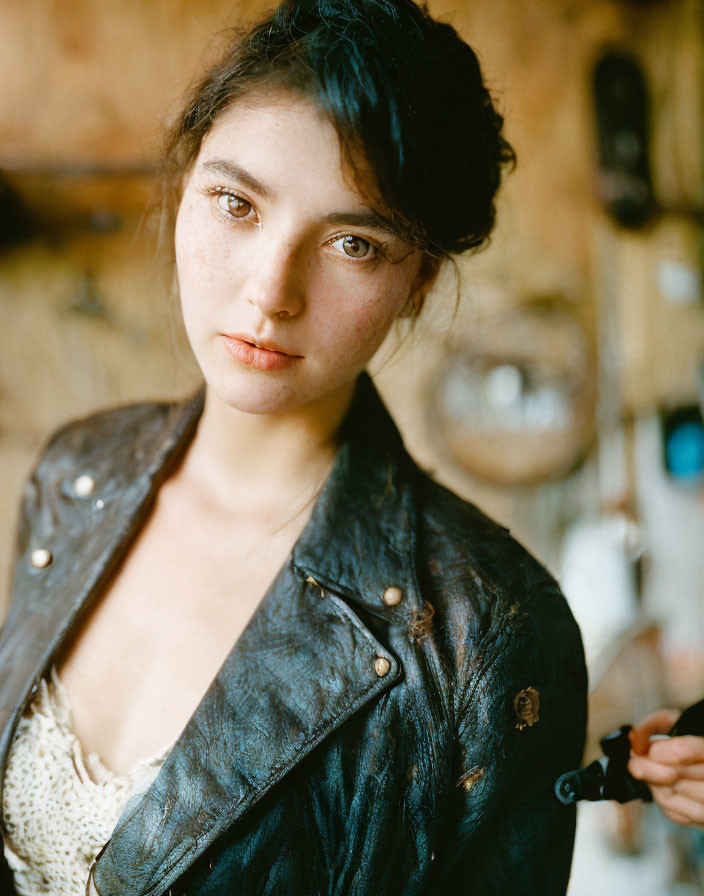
point(234, 205)
point(355, 246)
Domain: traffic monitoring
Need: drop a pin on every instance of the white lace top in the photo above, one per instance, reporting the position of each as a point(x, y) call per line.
point(60, 807)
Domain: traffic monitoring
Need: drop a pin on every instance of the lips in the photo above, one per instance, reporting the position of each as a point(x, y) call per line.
point(258, 353)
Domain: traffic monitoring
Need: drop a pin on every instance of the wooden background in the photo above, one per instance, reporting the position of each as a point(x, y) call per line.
point(87, 313)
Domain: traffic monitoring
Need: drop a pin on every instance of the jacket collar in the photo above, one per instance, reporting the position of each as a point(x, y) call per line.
point(303, 665)
point(86, 539)
point(361, 537)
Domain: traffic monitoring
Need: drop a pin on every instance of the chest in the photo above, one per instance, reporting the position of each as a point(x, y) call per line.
point(139, 663)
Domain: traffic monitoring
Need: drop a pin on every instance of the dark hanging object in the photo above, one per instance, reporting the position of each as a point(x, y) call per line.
point(622, 108)
point(16, 223)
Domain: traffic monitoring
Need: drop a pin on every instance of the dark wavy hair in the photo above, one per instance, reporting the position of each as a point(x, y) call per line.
point(397, 84)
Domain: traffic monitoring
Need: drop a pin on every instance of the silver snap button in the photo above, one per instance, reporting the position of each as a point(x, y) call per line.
point(41, 557)
point(382, 666)
point(393, 595)
point(84, 485)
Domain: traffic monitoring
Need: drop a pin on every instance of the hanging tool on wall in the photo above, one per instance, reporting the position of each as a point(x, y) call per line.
point(16, 224)
point(622, 108)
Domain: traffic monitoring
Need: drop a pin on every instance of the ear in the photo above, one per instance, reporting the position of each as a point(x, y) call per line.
point(427, 273)
point(423, 283)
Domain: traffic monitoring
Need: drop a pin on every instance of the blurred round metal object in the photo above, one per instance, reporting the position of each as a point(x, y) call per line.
point(515, 403)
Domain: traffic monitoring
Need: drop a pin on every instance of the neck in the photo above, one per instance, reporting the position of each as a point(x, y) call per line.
point(240, 459)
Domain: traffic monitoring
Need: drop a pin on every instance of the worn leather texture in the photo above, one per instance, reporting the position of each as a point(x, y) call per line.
point(304, 770)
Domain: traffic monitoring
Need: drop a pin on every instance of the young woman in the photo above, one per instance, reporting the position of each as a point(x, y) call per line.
point(252, 648)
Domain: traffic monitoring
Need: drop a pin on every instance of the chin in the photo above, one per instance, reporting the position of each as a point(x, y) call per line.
point(252, 397)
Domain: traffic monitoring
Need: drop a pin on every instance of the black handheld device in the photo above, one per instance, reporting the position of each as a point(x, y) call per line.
point(608, 778)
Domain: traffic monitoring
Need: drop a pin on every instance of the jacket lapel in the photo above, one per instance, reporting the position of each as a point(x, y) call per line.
point(302, 666)
point(87, 541)
point(361, 538)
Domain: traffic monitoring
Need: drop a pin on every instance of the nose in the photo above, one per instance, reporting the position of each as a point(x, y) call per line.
point(276, 283)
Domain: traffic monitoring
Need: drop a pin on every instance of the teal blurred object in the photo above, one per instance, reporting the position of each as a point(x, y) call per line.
point(683, 438)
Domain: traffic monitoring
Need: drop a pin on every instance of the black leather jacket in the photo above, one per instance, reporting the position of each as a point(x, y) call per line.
point(348, 745)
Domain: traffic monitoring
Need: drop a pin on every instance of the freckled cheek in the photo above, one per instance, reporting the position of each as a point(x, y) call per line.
point(195, 260)
point(206, 267)
point(199, 240)
point(381, 308)
point(358, 332)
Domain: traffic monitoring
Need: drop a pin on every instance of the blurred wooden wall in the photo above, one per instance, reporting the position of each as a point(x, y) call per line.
point(86, 309)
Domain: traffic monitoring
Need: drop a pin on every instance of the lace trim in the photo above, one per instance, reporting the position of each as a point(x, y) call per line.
point(60, 806)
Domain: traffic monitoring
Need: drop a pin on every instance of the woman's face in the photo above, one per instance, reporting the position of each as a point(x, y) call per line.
point(289, 275)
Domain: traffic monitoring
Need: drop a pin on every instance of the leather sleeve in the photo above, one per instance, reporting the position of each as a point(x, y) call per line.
point(521, 724)
point(35, 517)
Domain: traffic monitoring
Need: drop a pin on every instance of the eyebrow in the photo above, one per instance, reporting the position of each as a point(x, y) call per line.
point(234, 172)
point(371, 218)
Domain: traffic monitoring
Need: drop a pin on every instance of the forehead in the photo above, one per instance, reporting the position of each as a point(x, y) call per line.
point(286, 141)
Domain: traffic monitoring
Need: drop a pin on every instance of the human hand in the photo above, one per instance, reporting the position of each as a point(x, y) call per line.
point(673, 768)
